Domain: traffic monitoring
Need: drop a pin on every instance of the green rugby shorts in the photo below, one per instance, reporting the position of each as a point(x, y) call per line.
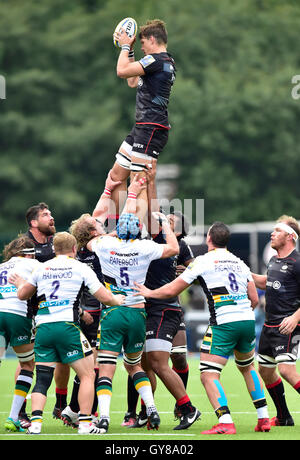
point(122, 327)
point(223, 339)
point(15, 329)
point(60, 342)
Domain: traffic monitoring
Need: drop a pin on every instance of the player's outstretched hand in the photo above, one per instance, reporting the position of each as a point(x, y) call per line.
point(137, 185)
point(160, 217)
point(111, 184)
point(142, 290)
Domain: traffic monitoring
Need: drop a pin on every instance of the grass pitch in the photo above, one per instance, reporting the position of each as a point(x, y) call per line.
point(242, 411)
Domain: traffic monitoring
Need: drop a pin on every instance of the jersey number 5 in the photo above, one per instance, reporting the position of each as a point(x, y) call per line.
point(124, 276)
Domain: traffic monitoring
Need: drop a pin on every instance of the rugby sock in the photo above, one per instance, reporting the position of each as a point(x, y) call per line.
point(223, 414)
point(22, 388)
point(74, 406)
point(276, 391)
point(132, 396)
point(183, 374)
point(84, 419)
point(258, 396)
point(104, 393)
point(95, 404)
point(143, 407)
point(61, 397)
point(184, 405)
point(297, 386)
point(37, 417)
point(143, 386)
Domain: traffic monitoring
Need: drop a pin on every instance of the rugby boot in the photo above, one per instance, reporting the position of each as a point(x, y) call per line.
point(103, 425)
point(289, 421)
point(13, 425)
point(69, 417)
point(35, 428)
point(24, 420)
point(263, 424)
point(141, 420)
point(221, 428)
point(186, 420)
point(129, 419)
point(88, 428)
point(153, 421)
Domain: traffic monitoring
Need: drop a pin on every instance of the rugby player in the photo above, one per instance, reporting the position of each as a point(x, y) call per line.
point(231, 297)
point(153, 76)
point(280, 336)
point(41, 229)
point(16, 321)
point(58, 283)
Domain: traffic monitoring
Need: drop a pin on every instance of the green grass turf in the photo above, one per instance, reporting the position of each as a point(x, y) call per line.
point(242, 411)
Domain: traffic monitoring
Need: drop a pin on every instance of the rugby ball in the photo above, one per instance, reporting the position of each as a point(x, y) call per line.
point(130, 26)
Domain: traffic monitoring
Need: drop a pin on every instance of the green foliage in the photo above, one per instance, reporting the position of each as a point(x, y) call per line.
point(234, 123)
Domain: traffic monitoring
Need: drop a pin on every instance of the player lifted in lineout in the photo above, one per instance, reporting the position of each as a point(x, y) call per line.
point(153, 76)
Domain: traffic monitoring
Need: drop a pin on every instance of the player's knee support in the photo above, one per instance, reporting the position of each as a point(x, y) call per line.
point(208, 366)
point(106, 358)
point(245, 362)
point(123, 160)
point(44, 375)
point(26, 357)
point(286, 358)
point(179, 349)
point(132, 361)
point(266, 361)
point(138, 166)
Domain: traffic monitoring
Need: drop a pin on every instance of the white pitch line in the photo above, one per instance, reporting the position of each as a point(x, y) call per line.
point(101, 435)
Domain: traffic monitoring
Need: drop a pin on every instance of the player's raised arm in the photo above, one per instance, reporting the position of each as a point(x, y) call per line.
point(126, 66)
point(171, 248)
point(103, 206)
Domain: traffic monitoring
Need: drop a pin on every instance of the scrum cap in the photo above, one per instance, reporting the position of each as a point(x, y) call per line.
point(128, 226)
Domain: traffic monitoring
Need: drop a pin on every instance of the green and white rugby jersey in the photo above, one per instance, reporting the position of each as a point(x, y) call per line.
point(59, 283)
point(9, 301)
point(224, 279)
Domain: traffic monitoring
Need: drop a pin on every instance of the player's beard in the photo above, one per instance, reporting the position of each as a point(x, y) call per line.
point(47, 230)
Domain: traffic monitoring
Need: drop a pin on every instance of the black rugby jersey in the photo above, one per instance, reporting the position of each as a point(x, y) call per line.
point(163, 271)
point(154, 88)
point(43, 251)
point(283, 288)
point(88, 301)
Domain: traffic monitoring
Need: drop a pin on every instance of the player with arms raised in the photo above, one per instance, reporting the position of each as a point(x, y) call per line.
point(153, 76)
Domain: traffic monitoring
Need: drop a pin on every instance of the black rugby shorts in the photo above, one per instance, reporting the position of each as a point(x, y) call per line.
point(148, 139)
point(163, 324)
point(272, 343)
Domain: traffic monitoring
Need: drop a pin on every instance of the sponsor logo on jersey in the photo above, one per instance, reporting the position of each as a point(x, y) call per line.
point(147, 60)
point(57, 303)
